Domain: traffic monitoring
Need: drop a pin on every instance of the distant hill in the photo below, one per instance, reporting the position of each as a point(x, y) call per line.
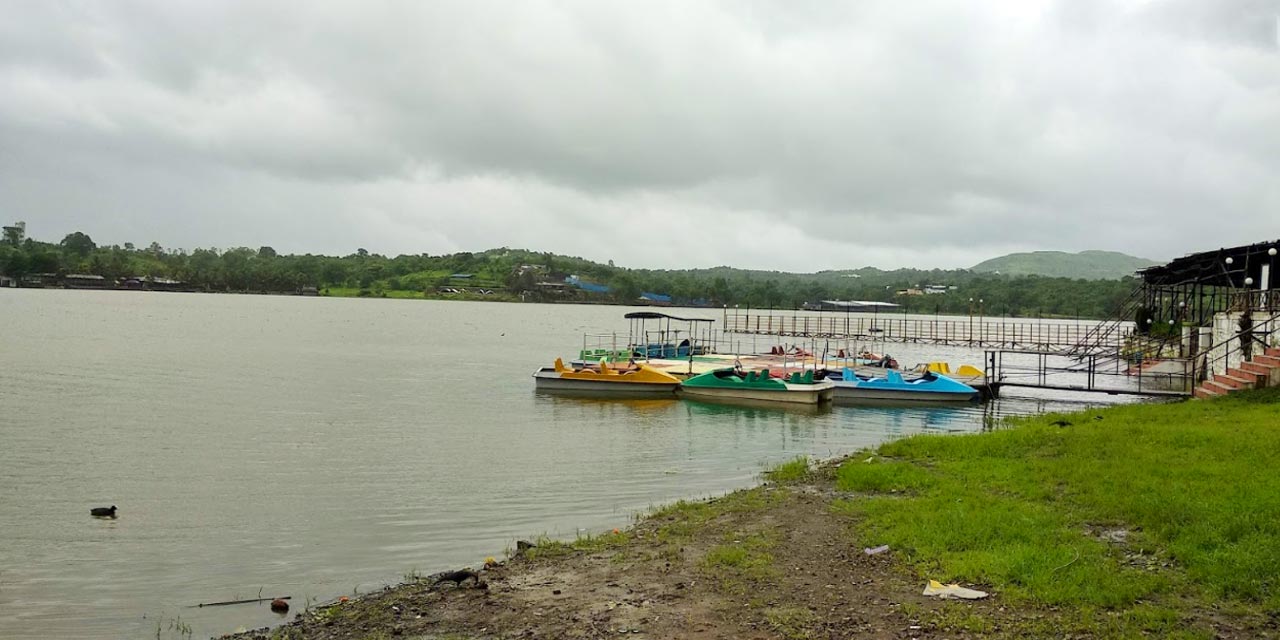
point(1089, 265)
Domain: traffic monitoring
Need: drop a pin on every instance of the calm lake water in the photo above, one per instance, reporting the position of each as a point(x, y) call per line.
point(315, 447)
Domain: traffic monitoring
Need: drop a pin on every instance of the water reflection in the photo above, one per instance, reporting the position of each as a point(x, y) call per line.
point(899, 420)
point(607, 407)
point(753, 408)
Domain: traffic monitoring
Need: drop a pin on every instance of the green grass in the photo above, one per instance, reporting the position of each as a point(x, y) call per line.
point(876, 474)
point(681, 520)
point(547, 547)
point(1197, 485)
point(791, 471)
point(743, 555)
point(793, 623)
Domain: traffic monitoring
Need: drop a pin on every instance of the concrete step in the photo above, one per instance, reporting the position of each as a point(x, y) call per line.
point(1216, 387)
point(1251, 376)
point(1270, 361)
point(1201, 392)
point(1233, 381)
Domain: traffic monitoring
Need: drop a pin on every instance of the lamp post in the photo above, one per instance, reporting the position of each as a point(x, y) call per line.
point(1266, 277)
point(981, 317)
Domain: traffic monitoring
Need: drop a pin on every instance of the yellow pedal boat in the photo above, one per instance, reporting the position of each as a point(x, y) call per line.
point(642, 380)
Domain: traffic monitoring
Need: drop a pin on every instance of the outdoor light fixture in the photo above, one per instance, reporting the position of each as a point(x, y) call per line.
point(1229, 260)
point(1271, 251)
point(1248, 281)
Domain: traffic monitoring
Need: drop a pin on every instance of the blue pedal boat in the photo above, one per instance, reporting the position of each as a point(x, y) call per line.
point(930, 387)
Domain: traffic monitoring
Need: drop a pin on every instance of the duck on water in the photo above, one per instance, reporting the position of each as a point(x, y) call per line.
point(103, 512)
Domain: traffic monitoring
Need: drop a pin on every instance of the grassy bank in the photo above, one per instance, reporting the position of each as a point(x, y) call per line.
point(1141, 520)
point(1152, 513)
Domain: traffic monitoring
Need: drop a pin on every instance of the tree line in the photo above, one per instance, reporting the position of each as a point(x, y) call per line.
point(521, 274)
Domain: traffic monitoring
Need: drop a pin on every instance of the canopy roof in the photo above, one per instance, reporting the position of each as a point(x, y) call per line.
point(860, 304)
point(1210, 268)
point(654, 315)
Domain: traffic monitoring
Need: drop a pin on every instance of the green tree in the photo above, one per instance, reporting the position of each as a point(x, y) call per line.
point(625, 289)
point(78, 243)
point(13, 261)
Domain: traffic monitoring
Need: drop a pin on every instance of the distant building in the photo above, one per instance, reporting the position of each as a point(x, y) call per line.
point(40, 280)
point(910, 292)
point(655, 298)
point(552, 288)
point(586, 286)
point(935, 289)
point(8, 283)
point(15, 233)
point(849, 305)
point(84, 281)
point(149, 283)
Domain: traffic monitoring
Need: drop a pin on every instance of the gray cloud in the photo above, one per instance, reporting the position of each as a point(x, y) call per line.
point(763, 134)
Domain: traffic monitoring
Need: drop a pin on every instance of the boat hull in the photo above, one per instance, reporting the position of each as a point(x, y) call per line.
point(852, 394)
point(550, 380)
point(815, 395)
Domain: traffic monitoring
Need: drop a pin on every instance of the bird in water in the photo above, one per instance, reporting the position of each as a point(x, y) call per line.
point(103, 512)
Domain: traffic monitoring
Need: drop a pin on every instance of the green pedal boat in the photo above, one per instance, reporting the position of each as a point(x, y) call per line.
point(728, 385)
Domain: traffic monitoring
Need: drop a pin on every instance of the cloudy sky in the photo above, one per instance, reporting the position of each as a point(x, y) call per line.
point(789, 135)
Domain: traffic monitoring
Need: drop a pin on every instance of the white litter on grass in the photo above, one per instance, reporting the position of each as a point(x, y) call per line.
point(948, 591)
point(871, 551)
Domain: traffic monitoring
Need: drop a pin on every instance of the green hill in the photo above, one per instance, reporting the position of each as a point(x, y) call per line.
point(515, 274)
point(1089, 265)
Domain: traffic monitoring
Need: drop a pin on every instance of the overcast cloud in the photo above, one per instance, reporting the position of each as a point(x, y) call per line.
point(787, 135)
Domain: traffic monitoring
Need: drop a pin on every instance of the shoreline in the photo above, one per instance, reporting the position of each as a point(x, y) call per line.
point(285, 294)
point(787, 559)
point(624, 581)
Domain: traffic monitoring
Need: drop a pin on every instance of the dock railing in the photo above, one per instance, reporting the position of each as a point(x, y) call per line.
point(976, 331)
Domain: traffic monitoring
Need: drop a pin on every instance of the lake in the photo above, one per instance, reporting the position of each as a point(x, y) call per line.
point(319, 447)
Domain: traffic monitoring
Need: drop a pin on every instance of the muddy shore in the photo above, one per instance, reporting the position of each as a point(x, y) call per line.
point(1113, 523)
point(774, 561)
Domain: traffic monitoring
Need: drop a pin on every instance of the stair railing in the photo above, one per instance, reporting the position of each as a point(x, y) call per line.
point(1234, 345)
